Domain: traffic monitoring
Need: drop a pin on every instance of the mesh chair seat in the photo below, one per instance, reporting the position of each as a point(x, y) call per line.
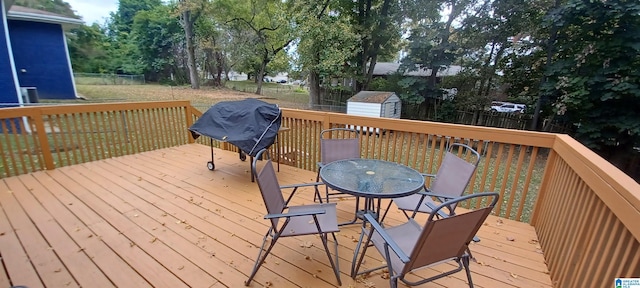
point(406, 235)
point(304, 225)
point(409, 246)
point(452, 178)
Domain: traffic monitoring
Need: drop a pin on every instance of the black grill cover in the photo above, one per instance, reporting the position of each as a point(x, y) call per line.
point(249, 124)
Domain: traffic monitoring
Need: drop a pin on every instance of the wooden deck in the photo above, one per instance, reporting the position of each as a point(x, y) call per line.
point(161, 219)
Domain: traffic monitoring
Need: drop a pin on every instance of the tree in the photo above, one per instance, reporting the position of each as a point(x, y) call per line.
point(377, 23)
point(124, 52)
point(430, 47)
point(500, 52)
point(325, 44)
point(268, 22)
point(240, 52)
point(88, 48)
point(159, 39)
point(595, 74)
point(190, 11)
point(122, 19)
point(210, 34)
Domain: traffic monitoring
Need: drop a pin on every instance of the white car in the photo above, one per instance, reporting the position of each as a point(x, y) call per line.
point(508, 107)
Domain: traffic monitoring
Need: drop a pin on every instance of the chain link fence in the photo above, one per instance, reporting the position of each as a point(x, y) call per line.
point(108, 79)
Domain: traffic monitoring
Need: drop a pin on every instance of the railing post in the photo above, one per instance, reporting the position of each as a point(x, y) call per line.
point(189, 117)
point(544, 186)
point(42, 137)
point(326, 123)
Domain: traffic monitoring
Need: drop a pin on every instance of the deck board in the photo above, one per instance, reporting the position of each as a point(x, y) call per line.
point(114, 267)
point(161, 219)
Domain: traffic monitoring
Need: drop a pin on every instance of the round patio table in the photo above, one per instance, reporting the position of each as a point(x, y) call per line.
point(373, 180)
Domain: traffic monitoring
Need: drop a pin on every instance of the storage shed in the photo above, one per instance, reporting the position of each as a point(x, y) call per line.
point(374, 104)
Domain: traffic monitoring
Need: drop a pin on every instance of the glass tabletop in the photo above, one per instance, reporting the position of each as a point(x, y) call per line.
point(372, 178)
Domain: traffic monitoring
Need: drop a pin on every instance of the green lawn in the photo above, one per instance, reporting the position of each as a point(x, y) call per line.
point(288, 96)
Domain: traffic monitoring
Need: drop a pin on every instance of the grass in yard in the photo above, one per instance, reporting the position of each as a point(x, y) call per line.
point(286, 96)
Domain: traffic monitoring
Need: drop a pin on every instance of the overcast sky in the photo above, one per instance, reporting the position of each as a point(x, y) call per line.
point(93, 10)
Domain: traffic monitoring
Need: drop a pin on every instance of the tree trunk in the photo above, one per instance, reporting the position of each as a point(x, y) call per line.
point(550, 43)
point(369, 75)
point(314, 88)
point(263, 67)
point(191, 59)
point(493, 68)
point(375, 47)
point(220, 67)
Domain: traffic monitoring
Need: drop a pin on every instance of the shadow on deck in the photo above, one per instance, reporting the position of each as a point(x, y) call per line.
point(161, 219)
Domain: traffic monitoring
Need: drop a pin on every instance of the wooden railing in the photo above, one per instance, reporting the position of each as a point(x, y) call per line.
point(587, 218)
point(513, 161)
point(585, 211)
point(46, 137)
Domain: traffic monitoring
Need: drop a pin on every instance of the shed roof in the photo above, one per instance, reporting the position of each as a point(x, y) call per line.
point(371, 96)
point(29, 14)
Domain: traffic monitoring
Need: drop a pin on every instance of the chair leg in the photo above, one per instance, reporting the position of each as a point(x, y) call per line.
point(355, 214)
point(334, 264)
point(353, 220)
point(393, 281)
point(261, 257)
point(465, 263)
point(476, 240)
point(316, 196)
point(356, 262)
point(386, 211)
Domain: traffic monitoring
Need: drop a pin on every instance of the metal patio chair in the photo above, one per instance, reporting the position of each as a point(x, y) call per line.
point(409, 246)
point(318, 219)
point(337, 144)
point(451, 180)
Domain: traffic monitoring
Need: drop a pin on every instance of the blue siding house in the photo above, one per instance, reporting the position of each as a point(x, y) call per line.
point(33, 54)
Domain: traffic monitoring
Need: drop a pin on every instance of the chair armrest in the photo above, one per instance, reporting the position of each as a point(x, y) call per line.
point(396, 249)
point(295, 188)
point(427, 193)
point(301, 185)
point(428, 175)
point(448, 197)
point(444, 198)
point(440, 212)
point(295, 214)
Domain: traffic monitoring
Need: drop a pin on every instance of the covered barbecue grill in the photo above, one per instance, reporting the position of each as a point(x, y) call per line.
point(251, 125)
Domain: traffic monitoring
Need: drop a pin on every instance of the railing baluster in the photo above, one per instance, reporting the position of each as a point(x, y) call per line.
point(527, 182)
point(33, 149)
point(514, 184)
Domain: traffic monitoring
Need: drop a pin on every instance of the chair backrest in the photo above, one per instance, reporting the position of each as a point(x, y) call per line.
point(342, 144)
point(269, 187)
point(446, 238)
point(454, 173)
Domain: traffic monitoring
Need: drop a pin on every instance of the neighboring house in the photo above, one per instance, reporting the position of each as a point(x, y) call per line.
point(34, 54)
point(382, 69)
